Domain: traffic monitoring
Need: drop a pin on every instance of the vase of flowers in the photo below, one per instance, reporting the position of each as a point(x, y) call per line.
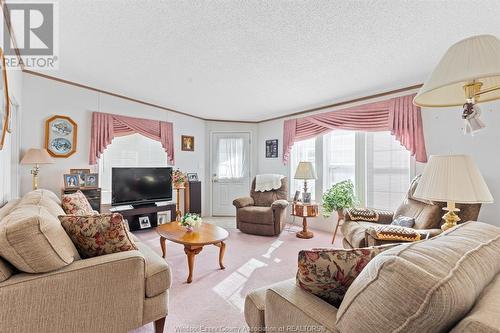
point(178, 178)
point(190, 221)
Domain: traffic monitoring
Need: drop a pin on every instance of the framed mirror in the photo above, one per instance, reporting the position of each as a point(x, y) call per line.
point(4, 102)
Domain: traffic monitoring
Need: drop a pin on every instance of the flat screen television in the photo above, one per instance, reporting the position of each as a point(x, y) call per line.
point(136, 186)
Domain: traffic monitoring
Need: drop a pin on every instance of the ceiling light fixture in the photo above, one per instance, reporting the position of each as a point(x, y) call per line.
point(468, 73)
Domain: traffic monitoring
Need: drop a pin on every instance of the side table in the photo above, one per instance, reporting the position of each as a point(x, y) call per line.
point(305, 210)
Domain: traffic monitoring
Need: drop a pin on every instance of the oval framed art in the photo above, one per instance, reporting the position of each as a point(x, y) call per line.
point(60, 136)
point(4, 102)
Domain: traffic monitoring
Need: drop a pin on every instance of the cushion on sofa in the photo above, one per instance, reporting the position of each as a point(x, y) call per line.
point(404, 221)
point(95, 235)
point(256, 214)
point(484, 316)
point(328, 273)
point(76, 204)
point(393, 233)
point(33, 241)
point(426, 216)
point(45, 199)
point(158, 275)
point(6, 270)
point(354, 232)
point(423, 286)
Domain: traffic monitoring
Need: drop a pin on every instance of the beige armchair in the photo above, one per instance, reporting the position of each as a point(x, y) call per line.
point(428, 219)
point(263, 213)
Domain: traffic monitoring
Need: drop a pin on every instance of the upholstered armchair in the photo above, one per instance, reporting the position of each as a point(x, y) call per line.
point(262, 213)
point(358, 225)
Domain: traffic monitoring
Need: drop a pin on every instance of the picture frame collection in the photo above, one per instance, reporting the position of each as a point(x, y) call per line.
point(81, 178)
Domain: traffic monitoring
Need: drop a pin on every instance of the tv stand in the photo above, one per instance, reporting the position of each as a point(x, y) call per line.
point(148, 210)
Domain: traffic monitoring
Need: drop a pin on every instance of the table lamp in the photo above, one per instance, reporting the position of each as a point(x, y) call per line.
point(305, 171)
point(452, 179)
point(467, 74)
point(36, 157)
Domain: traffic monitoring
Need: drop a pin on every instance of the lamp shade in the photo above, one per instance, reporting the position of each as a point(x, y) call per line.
point(305, 170)
point(37, 156)
point(452, 178)
point(473, 59)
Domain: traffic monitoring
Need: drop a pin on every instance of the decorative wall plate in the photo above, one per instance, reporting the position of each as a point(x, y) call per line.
point(60, 136)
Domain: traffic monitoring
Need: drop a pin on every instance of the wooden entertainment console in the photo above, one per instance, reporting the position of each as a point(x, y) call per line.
point(151, 211)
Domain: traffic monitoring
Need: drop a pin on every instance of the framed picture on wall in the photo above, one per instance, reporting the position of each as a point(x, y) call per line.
point(4, 102)
point(60, 136)
point(272, 148)
point(187, 143)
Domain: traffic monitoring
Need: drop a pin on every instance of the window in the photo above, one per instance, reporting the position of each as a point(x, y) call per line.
point(340, 157)
point(387, 171)
point(129, 151)
point(231, 158)
point(302, 151)
point(375, 162)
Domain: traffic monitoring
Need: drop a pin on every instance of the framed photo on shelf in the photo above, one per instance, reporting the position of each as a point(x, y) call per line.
point(187, 143)
point(296, 196)
point(91, 180)
point(60, 136)
point(71, 181)
point(81, 174)
point(144, 222)
point(272, 148)
point(192, 177)
point(163, 217)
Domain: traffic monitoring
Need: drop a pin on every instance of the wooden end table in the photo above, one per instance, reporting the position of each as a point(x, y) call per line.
point(193, 241)
point(305, 210)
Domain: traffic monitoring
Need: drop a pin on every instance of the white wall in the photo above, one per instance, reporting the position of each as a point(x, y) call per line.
point(46, 98)
point(8, 164)
point(443, 135)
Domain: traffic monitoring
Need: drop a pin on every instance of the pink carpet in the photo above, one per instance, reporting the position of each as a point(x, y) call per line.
point(214, 300)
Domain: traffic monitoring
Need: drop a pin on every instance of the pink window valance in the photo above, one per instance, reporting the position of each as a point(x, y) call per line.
point(106, 126)
point(397, 115)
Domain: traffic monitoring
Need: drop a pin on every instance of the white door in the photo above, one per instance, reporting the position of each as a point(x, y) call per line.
point(230, 171)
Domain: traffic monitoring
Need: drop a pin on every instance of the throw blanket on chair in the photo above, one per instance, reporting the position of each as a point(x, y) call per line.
point(268, 182)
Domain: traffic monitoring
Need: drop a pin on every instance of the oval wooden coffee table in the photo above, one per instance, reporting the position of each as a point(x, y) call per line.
point(206, 234)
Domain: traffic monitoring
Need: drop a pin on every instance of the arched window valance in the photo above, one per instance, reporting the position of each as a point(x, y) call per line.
point(106, 126)
point(397, 115)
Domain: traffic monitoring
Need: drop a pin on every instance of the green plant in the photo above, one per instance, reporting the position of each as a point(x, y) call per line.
point(339, 196)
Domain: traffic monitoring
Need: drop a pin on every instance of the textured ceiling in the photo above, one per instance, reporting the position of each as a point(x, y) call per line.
point(253, 60)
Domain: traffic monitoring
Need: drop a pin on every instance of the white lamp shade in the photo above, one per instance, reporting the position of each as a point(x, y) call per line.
point(452, 178)
point(37, 156)
point(475, 58)
point(305, 170)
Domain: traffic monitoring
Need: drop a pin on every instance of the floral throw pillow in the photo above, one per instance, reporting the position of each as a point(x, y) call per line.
point(76, 204)
point(95, 235)
point(328, 273)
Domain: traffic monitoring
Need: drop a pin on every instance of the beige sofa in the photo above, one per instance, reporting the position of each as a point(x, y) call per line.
point(450, 283)
point(110, 293)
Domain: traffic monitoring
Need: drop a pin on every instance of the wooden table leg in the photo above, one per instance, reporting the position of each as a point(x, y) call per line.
point(222, 250)
point(335, 232)
point(163, 246)
point(304, 233)
point(191, 251)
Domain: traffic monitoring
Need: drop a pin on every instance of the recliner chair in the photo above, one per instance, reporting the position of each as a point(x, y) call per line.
point(263, 213)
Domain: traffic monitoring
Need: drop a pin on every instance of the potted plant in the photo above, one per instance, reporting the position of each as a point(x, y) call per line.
point(339, 197)
point(190, 221)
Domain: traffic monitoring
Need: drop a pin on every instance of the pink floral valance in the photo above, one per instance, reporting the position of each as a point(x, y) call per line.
point(397, 115)
point(106, 126)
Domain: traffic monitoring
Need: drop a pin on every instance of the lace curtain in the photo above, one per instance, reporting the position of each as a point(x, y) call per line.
point(231, 156)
